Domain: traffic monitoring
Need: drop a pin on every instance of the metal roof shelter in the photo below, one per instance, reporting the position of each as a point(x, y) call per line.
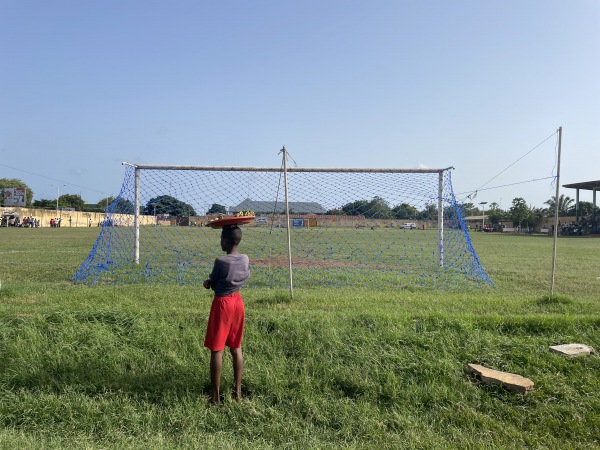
point(586, 186)
point(270, 207)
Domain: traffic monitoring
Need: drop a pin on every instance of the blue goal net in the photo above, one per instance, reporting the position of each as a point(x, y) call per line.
point(336, 227)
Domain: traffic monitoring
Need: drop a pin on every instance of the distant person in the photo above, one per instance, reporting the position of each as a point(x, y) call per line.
point(226, 319)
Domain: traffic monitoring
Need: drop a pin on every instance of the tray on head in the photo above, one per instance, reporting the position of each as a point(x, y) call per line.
point(238, 220)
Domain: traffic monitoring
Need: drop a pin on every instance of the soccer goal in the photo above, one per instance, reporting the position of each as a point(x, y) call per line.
point(311, 227)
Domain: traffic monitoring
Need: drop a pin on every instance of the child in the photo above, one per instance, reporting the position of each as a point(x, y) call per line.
point(226, 320)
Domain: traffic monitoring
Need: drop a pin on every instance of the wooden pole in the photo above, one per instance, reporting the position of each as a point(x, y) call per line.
point(440, 211)
point(136, 218)
point(287, 218)
point(556, 212)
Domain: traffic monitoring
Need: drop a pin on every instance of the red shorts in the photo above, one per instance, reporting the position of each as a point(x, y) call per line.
point(225, 322)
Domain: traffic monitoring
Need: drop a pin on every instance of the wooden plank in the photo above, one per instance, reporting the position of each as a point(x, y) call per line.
point(512, 382)
point(572, 350)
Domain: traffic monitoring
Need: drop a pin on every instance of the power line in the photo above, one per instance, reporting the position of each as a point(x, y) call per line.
point(55, 179)
point(474, 193)
point(503, 185)
point(504, 170)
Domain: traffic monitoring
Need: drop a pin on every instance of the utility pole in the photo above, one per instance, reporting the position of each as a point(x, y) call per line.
point(556, 212)
point(287, 218)
point(483, 215)
point(58, 193)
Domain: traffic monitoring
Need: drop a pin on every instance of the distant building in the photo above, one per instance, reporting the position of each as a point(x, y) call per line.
point(260, 207)
point(476, 222)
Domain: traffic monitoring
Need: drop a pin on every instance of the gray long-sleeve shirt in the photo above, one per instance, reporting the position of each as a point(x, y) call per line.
point(229, 274)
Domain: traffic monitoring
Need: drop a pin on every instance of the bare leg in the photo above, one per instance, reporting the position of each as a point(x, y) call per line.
point(238, 369)
point(216, 363)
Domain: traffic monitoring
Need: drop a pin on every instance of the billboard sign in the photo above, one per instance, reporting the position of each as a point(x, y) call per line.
point(14, 196)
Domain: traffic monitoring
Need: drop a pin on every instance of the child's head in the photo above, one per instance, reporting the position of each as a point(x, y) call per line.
point(230, 236)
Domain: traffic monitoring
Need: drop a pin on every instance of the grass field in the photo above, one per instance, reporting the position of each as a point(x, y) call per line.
point(322, 256)
point(123, 367)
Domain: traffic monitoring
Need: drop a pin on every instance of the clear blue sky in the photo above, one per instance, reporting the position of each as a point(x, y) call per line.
point(475, 84)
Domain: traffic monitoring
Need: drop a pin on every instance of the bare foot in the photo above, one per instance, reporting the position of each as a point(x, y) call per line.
point(236, 394)
point(214, 402)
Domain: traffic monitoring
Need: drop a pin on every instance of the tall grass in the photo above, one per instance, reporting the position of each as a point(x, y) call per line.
point(123, 367)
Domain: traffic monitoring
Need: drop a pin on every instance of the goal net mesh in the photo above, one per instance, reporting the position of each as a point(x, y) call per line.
point(346, 228)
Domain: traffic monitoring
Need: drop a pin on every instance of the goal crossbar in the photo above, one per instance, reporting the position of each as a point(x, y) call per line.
point(279, 169)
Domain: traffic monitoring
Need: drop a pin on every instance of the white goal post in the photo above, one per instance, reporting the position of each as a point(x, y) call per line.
point(139, 167)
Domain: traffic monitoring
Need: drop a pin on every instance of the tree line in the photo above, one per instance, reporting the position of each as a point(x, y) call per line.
point(520, 213)
point(163, 204)
point(70, 201)
point(524, 215)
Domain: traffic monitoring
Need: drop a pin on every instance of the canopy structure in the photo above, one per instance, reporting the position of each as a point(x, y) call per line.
point(587, 186)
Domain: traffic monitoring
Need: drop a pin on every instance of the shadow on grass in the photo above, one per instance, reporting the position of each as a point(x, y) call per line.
point(554, 300)
point(7, 293)
point(157, 387)
point(278, 299)
point(107, 353)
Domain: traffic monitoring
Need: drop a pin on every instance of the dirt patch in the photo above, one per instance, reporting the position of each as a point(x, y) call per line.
point(300, 262)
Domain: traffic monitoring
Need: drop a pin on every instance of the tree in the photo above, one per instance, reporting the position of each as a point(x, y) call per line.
point(495, 214)
point(519, 212)
point(536, 214)
point(376, 208)
point(16, 183)
point(469, 209)
point(585, 209)
point(122, 206)
point(105, 202)
point(564, 203)
point(356, 208)
point(217, 209)
point(165, 204)
point(430, 212)
point(117, 206)
point(404, 211)
point(71, 201)
point(44, 203)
